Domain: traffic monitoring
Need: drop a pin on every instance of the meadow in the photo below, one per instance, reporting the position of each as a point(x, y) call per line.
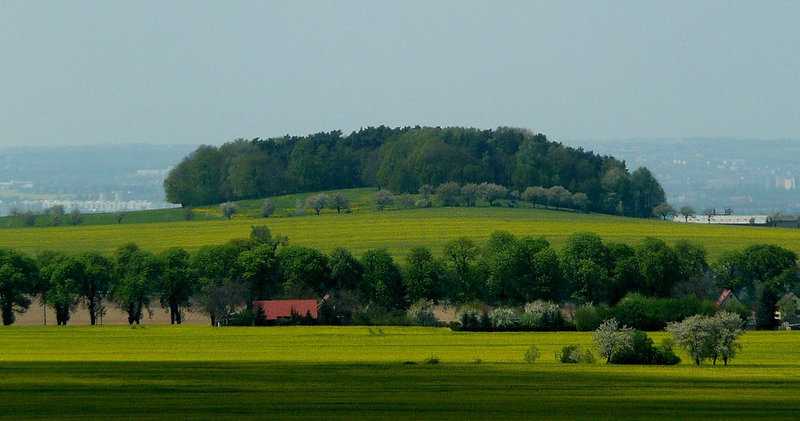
point(397, 230)
point(348, 372)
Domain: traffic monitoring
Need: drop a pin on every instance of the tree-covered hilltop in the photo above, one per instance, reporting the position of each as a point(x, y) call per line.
point(403, 160)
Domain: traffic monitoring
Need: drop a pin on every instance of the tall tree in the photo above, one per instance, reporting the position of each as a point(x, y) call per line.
point(176, 284)
point(346, 271)
point(424, 276)
point(221, 291)
point(136, 272)
point(461, 253)
point(647, 192)
point(385, 279)
point(659, 267)
point(259, 270)
point(304, 271)
point(96, 283)
point(18, 274)
point(585, 262)
point(66, 276)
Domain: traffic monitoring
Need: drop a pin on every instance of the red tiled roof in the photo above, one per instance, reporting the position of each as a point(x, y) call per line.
point(723, 297)
point(274, 309)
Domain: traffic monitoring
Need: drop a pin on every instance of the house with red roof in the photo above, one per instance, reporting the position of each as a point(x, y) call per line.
point(726, 299)
point(283, 309)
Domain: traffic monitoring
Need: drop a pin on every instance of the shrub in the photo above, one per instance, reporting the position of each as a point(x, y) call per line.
point(587, 318)
point(532, 354)
point(421, 314)
point(227, 209)
point(432, 359)
point(645, 313)
point(664, 354)
point(375, 331)
point(244, 318)
point(588, 357)
point(472, 318)
point(531, 321)
point(573, 354)
point(642, 351)
point(267, 208)
point(381, 317)
point(503, 318)
point(543, 315)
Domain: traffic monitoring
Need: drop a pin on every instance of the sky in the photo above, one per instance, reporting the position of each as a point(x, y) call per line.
point(206, 72)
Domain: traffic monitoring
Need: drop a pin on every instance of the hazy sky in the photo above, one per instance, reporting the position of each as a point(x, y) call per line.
point(80, 72)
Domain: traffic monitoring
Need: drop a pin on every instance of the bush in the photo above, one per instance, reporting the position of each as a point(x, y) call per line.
point(573, 354)
point(653, 314)
point(740, 310)
point(503, 319)
point(433, 359)
point(543, 315)
point(587, 318)
point(530, 321)
point(664, 355)
point(643, 352)
point(532, 354)
point(244, 318)
point(421, 314)
point(473, 319)
point(378, 316)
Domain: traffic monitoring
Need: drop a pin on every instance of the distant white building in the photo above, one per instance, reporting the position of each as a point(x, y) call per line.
point(724, 219)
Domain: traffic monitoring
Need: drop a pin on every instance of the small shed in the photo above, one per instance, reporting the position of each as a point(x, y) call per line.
point(282, 309)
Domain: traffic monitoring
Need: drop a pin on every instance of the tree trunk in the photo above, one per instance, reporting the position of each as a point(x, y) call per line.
point(92, 311)
point(8, 313)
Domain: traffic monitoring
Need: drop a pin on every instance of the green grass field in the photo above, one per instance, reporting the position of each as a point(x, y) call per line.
point(346, 373)
point(396, 230)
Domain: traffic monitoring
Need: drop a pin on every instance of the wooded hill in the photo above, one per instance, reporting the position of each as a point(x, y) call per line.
point(404, 159)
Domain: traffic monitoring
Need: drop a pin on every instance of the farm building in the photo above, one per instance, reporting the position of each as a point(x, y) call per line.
point(789, 310)
point(726, 299)
point(724, 219)
point(282, 309)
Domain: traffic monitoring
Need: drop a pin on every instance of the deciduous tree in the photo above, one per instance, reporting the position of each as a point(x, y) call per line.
point(18, 274)
point(175, 285)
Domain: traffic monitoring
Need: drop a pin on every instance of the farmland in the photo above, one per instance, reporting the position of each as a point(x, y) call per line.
point(395, 230)
point(344, 372)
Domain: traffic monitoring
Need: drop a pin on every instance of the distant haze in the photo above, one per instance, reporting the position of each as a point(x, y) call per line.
point(94, 72)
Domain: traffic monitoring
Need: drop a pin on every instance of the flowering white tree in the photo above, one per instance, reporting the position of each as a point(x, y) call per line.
point(711, 337)
point(727, 328)
point(611, 338)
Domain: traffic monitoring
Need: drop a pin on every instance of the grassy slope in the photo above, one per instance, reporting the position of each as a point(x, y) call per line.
point(329, 372)
point(396, 230)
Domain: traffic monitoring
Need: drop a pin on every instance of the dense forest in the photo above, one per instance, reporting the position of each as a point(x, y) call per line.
point(404, 159)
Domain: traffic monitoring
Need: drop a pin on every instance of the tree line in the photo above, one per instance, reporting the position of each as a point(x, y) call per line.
point(636, 284)
point(403, 160)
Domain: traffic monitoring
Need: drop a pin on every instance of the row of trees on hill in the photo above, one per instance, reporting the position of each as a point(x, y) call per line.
point(404, 159)
point(222, 279)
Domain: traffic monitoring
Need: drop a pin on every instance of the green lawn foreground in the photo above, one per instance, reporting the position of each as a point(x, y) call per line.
point(350, 372)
